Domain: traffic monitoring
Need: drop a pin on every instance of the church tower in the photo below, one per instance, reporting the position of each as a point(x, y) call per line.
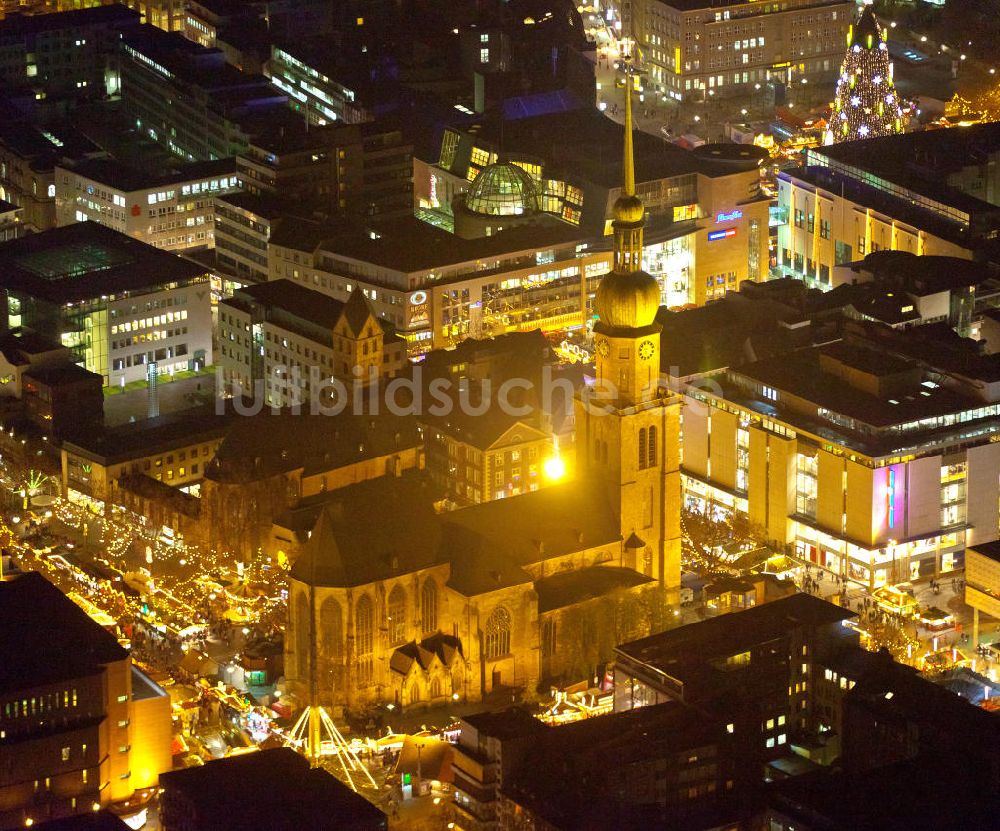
point(628, 425)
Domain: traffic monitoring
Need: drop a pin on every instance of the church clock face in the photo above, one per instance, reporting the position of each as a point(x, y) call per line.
point(646, 350)
point(602, 348)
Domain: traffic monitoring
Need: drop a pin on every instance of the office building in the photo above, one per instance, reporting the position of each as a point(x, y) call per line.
point(321, 89)
point(243, 225)
point(276, 787)
point(669, 770)
point(438, 289)
point(28, 158)
point(870, 456)
point(175, 212)
point(65, 58)
point(363, 170)
point(127, 309)
point(167, 15)
point(74, 739)
point(926, 193)
point(696, 49)
point(174, 448)
point(286, 339)
point(188, 99)
point(754, 671)
point(489, 747)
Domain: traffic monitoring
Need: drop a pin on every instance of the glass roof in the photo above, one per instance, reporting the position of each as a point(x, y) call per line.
point(502, 189)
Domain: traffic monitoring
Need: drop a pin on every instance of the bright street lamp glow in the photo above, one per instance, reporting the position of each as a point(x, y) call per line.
point(555, 468)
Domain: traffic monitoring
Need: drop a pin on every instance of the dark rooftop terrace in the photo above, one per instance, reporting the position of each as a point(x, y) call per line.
point(86, 260)
point(699, 643)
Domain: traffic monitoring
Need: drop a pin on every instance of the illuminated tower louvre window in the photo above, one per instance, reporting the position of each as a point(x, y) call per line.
point(867, 103)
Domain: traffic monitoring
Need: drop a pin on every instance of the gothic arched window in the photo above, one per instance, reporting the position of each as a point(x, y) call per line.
point(331, 627)
point(302, 636)
point(365, 638)
point(642, 448)
point(396, 612)
point(496, 636)
point(429, 606)
point(651, 448)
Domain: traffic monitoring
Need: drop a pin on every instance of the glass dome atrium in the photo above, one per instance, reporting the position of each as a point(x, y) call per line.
point(502, 189)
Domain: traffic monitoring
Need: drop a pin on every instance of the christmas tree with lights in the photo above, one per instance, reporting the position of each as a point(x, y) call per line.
point(867, 104)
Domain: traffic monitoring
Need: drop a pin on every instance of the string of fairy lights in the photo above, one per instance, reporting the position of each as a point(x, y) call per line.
point(867, 104)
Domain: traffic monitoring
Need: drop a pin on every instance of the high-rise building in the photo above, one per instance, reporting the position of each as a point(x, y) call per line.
point(188, 99)
point(867, 104)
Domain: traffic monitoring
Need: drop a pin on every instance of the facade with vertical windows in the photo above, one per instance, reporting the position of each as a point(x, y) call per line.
point(696, 49)
point(122, 307)
point(926, 193)
point(293, 342)
point(174, 212)
point(872, 457)
point(68, 740)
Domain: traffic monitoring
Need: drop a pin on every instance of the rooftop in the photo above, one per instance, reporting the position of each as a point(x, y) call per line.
point(48, 637)
point(85, 261)
point(988, 549)
point(152, 435)
point(124, 178)
point(175, 58)
point(584, 144)
point(512, 723)
point(260, 446)
point(64, 374)
point(275, 787)
point(697, 644)
point(923, 161)
point(572, 778)
point(114, 15)
point(410, 245)
point(298, 301)
point(903, 795)
point(367, 531)
point(489, 544)
point(581, 585)
point(45, 147)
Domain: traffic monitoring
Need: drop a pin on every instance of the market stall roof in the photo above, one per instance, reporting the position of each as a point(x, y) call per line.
point(435, 758)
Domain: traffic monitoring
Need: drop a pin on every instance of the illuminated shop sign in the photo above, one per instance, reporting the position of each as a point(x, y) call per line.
point(714, 236)
point(419, 313)
point(732, 216)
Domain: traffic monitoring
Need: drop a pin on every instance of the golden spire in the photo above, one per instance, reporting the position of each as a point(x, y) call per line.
point(627, 298)
point(628, 210)
point(628, 162)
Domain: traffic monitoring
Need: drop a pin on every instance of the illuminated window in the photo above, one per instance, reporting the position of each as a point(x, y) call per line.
point(484, 55)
